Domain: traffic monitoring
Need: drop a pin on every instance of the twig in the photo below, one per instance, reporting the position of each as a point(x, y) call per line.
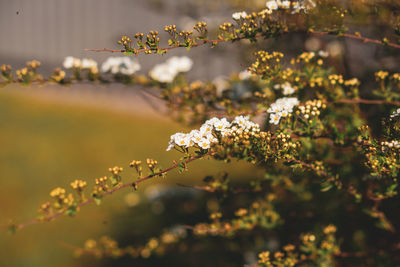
point(347, 35)
point(368, 101)
point(91, 200)
point(358, 37)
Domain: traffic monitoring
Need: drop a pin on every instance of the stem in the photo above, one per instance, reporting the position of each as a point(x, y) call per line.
point(347, 35)
point(91, 200)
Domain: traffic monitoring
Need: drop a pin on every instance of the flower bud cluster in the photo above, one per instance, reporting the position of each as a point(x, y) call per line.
point(106, 246)
point(101, 186)
point(321, 249)
point(151, 163)
point(335, 79)
point(61, 200)
point(126, 42)
point(116, 170)
point(383, 158)
point(381, 75)
point(24, 75)
point(5, 71)
point(58, 75)
point(259, 214)
point(78, 185)
point(311, 109)
point(137, 164)
point(266, 62)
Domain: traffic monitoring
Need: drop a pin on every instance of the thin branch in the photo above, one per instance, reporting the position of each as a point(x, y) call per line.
point(368, 101)
point(215, 41)
point(358, 37)
point(91, 200)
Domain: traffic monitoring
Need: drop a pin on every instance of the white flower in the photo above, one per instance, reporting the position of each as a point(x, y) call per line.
point(211, 138)
point(171, 145)
point(206, 129)
point(123, 65)
point(162, 73)
point(167, 71)
point(272, 5)
point(274, 118)
point(180, 64)
point(284, 4)
point(241, 121)
point(196, 136)
point(212, 121)
point(245, 75)
point(287, 89)
point(221, 125)
point(71, 62)
point(239, 15)
point(220, 84)
point(89, 64)
point(226, 132)
point(323, 53)
point(182, 139)
point(395, 113)
point(204, 143)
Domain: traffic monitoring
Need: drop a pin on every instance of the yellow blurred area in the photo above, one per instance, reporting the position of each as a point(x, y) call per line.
point(45, 144)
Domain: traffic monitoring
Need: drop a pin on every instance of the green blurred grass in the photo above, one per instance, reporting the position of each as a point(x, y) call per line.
point(44, 145)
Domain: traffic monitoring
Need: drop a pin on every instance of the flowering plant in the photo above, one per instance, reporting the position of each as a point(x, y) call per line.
point(330, 163)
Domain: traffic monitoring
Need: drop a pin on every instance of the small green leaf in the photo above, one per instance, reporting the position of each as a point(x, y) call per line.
point(97, 200)
point(71, 211)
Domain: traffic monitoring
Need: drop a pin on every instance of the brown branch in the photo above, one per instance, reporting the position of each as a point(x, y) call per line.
point(358, 37)
point(91, 200)
point(215, 41)
point(347, 35)
point(368, 101)
point(213, 190)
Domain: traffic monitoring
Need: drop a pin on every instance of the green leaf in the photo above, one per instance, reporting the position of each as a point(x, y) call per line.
point(71, 211)
point(97, 200)
point(12, 229)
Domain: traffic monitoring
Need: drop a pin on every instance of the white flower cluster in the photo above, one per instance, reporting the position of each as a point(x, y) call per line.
point(72, 62)
point(239, 15)
point(323, 53)
point(167, 71)
point(210, 130)
point(122, 65)
point(395, 113)
point(245, 75)
point(281, 108)
point(86, 63)
point(390, 144)
point(295, 5)
point(287, 88)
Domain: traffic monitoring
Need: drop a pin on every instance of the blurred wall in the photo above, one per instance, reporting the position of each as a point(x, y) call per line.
point(49, 30)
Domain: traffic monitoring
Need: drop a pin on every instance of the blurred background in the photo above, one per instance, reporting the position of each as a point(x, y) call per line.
point(52, 135)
